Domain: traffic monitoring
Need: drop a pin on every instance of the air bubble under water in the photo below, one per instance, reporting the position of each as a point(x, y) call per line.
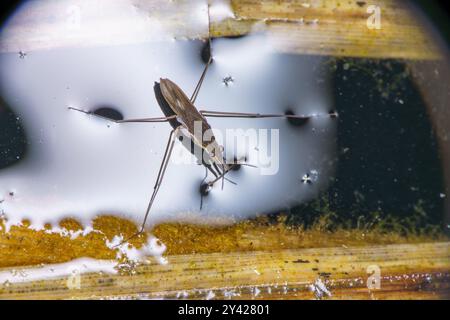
point(81, 166)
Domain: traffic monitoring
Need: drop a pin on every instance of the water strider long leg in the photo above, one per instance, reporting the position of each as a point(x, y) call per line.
point(221, 170)
point(206, 174)
point(222, 114)
point(162, 171)
point(201, 194)
point(199, 84)
point(143, 120)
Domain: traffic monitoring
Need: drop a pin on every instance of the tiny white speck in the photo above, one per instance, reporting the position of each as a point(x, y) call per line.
point(210, 295)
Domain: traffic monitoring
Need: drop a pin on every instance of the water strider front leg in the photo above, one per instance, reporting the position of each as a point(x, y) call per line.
point(211, 183)
point(222, 114)
point(143, 120)
point(200, 82)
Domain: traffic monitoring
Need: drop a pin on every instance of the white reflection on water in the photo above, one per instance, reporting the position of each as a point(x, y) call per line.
point(81, 166)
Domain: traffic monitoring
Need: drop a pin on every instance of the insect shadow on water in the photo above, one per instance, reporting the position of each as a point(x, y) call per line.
point(108, 112)
point(182, 115)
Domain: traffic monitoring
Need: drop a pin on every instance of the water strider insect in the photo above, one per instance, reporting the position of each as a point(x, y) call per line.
point(184, 118)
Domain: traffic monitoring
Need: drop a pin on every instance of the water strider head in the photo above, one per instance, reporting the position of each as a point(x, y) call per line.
point(173, 101)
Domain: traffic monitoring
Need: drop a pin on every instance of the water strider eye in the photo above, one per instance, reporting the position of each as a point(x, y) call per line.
point(108, 112)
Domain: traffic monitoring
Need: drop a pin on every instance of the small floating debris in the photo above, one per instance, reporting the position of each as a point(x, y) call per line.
point(319, 289)
point(314, 175)
point(306, 179)
point(228, 80)
point(22, 54)
point(310, 177)
point(210, 295)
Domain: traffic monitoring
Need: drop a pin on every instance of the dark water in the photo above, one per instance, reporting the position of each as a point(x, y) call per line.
point(389, 162)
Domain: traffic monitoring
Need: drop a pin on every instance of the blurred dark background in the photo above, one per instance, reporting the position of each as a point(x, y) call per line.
point(439, 12)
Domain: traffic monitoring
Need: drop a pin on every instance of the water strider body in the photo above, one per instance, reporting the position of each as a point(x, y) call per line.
point(184, 117)
point(174, 102)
